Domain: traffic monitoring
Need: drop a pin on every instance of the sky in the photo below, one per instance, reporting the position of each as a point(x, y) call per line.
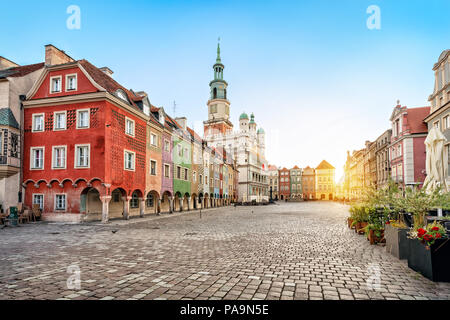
point(317, 79)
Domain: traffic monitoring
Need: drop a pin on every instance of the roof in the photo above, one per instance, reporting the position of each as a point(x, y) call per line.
point(108, 83)
point(324, 165)
point(295, 167)
point(20, 71)
point(7, 118)
point(272, 167)
point(415, 119)
point(243, 116)
point(260, 130)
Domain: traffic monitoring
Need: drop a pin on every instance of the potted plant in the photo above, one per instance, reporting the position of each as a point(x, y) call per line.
point(430, 252)
point(395, 233)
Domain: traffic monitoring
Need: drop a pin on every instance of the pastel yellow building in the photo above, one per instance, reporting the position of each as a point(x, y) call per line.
point(325, 187)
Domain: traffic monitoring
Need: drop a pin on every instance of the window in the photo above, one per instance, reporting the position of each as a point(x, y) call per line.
point(399, 148)
point(166, 170)
point(39, 199)
point(82, 119)
point(446, 122)
point(60, 202)
point(55, 84)
point(38, 122)
point(134, 202)
point(206, 179)
point(59, 157)
point(60, 120)
point(166, 145)
point(185, 174)
point(178, 172)
point(82, 155)
point(149, 201)
point(200, 179)
point(71, 82)
point(153, 167)
point(129, 160)
point(436, 124)
point(400, 171)
point(194, 176)
point(180, 150)
point(37, 158)
point(129, 127)
point(153, 139)
point(186, 153)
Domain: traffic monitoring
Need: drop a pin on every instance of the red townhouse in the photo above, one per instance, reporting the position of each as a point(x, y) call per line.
point(84, 143)
point(285, 183)
point(407, 148)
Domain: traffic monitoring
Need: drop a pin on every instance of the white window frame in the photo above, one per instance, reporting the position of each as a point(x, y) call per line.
point(32, 158)
point(126, 126)
point(51, 84)
point(76, 165)
point(437, 124)
point(186, 174)
point(176, 173)
point(53, 157)
point(43, 197)
point(125, 160)
point(33, 122)
point(446, 122)
point(55, 122)
point(194, 176)
point(168, 166)
point(155, 144)
point(88, 118)
point(156, 167)
point(65, 201)
point(67, 82)
point(166, 143)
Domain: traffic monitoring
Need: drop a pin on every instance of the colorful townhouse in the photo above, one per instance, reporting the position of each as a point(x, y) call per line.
point(295, 177)
point(273, 182)
point(84, 142)
point(309, 183)
point(325, 181)
point(285, 184)
point(407, 148)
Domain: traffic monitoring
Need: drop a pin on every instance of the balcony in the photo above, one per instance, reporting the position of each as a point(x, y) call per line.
point(8, 166)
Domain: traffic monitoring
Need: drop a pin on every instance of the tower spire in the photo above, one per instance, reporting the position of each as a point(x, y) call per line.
point(218, 51)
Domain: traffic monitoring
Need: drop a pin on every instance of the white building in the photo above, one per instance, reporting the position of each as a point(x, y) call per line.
point(247, 145)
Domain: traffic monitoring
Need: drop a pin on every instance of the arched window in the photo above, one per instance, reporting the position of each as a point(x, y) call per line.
point(225, 93)
point(149, 200)
point(134, 202)
point(214, 93)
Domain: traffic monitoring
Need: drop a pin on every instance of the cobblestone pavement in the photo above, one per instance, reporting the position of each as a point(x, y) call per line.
point(285, 251)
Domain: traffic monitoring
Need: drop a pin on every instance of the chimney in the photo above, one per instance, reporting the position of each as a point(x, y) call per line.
point(54, 56)
point(6, 63)
point(182, 121)
point(107, 71)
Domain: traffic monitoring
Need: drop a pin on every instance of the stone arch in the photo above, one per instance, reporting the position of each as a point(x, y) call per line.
point(176, 201)
point(90, 203)
point(151, 202)
point(186, 198)
point(118, 195)
point(194, 200)
point(165, 201)
point(135, 202)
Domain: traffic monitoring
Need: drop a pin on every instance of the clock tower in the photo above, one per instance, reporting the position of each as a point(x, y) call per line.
point(218, 105)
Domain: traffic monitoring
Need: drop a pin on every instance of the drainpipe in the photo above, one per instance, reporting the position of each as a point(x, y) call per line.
point(20, 199)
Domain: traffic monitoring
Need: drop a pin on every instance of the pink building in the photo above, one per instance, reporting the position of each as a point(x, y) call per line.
point(407, 148)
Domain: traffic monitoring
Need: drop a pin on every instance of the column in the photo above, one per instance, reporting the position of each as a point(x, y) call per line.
point(105, 208)
point(181, 203)
point(171, 209)
point(158, 207)
point(126, 207)
point(141, 207)
point(189, 204)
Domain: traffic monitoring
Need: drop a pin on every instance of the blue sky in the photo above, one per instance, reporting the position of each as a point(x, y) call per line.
point(317, 79)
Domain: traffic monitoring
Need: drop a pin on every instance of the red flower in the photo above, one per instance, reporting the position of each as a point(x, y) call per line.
point(421, 232)
point(435, 229)
point(388, 222)
point(427, 237)
point(437, 236)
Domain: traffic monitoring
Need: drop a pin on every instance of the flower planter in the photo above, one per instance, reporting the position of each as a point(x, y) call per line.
point(360, 227)
point(433, 263)
point(349, 223)
point(373, 239)
point(396, 241)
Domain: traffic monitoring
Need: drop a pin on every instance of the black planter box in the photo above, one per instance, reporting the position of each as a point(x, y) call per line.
point(434, 263)
point(396, 241)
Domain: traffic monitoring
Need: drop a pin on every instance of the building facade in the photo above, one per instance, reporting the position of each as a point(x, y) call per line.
point(309, 183)
point(407, 148)
point(439, 116)
point(383, 159)
point(296, 183)
point(325, 181)
point(285, 183)
point(273, 182)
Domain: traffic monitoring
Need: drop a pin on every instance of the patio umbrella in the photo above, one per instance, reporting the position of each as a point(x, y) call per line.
point(436, 167)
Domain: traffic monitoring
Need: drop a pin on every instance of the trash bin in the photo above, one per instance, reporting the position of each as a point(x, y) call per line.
point(13, 216)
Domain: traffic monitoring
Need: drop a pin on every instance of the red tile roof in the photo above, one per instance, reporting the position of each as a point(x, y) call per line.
point(415, 119)
point(21, 71)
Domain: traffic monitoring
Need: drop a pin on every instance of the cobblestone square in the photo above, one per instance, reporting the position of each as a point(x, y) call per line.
point(285, 251)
